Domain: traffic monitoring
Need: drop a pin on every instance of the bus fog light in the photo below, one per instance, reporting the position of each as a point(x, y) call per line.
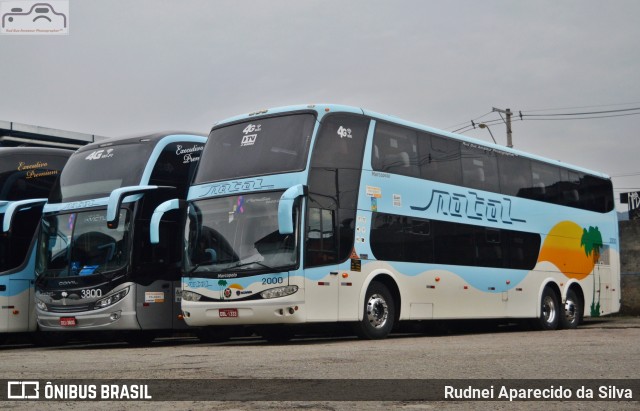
point(41, 305)
point(112, 299)
point(190, 296)
point(279, 291)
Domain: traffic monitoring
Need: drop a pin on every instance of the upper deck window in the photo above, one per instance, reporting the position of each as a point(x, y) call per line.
point(257, 147)
point(95, 173)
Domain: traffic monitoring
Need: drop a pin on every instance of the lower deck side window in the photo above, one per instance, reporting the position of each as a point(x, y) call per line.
point(410, 239)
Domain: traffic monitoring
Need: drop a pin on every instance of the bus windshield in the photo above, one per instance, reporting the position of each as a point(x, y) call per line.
point(80, 244)
point(238, 233)
point(266, 146)
point(96, 173)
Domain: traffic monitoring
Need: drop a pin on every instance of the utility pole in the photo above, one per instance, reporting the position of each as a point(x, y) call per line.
point(508, 121)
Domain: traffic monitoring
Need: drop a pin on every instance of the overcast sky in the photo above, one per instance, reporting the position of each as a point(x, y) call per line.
point(131, 67)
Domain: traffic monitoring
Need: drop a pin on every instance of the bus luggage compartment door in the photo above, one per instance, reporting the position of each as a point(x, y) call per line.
point(154, 305)
point(18, 304)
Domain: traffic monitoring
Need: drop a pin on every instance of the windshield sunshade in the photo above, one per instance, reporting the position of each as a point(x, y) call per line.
point(80, 244)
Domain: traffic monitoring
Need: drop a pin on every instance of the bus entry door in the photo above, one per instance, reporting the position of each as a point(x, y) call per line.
point(154, 305)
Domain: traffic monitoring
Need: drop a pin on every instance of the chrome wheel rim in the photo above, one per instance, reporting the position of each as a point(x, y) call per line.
point(548, 310)
point(570, 311)
point(377, 311)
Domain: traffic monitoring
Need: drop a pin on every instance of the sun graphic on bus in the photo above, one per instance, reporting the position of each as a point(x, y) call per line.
point(571, 248)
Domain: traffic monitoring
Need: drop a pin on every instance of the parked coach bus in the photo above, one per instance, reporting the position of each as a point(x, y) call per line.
point(96, 269)
point(328, 213)
point(27, 175)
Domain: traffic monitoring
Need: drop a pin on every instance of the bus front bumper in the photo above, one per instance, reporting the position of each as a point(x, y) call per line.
point(111, 318)
point(276, 311)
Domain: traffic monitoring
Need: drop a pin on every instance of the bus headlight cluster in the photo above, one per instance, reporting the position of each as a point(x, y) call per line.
point(41, 305)
point(279, 291)
point(112, 299)
point(190, 296)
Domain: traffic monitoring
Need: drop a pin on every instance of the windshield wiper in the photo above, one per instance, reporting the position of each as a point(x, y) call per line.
point(195, 267)
point(254, 262)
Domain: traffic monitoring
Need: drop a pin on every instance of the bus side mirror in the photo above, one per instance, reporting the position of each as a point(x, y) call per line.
point(154, 229)
point(285, 208)
point(14, 206)
point(118, 195)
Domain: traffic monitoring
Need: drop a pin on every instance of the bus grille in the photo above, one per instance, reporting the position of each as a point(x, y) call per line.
point(68, 308)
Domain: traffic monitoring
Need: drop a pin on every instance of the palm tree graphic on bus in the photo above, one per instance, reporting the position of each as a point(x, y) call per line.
point(592, 243)
point(575, 251)
point(222, 284)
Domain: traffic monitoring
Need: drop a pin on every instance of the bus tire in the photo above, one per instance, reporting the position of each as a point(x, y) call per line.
point(550, 311)
point(379, 313)
point(571, 311)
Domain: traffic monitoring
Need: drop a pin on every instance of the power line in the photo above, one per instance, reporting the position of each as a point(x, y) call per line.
point(466, 122)
point(579, 118)
point(580, 114)
point(584, 115)
point(591, 106)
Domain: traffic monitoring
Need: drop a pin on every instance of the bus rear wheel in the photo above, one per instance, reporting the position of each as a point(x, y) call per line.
point(550, 311)
point(379, 313)
point(572, 311)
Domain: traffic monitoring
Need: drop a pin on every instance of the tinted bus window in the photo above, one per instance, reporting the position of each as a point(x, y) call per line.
point(515, 175)
point(395, 150)
point(333, 188)
point(28, 176)
point(175, 166)
point(479, 167)
point(417, 240)
point(265, 145)
point(96, 173)
point(440, 159)
point(545, 179)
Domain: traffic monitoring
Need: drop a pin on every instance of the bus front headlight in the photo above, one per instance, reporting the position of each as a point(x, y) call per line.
point(191, 296)
point(279, 291)
point(41, 305)
point(111, 299)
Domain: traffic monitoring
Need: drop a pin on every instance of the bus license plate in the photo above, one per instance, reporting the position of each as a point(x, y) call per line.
point(228, 312)
point(68, 321)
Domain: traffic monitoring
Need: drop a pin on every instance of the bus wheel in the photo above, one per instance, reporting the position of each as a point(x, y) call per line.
point(572, 312)
point(549, 311)
point(379, 313)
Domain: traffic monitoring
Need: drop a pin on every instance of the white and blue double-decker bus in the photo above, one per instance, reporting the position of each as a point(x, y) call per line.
point(27, 175)
point(325, 213)
point(96, 268)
